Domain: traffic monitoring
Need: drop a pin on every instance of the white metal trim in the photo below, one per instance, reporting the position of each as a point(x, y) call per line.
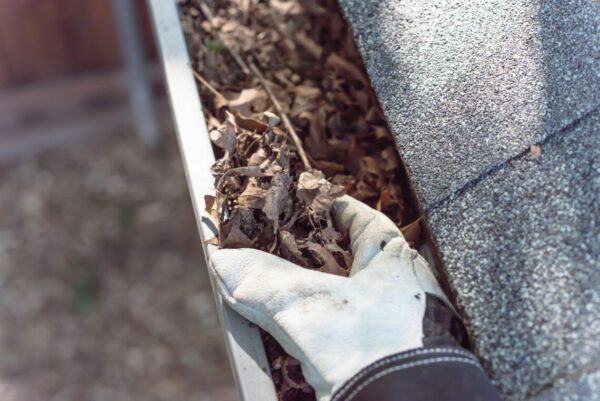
point(244, 345)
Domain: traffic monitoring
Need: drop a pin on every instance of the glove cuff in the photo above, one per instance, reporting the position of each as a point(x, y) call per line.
point(431, 373)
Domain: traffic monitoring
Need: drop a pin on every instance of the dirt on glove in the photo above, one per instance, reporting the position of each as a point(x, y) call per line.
point(295, 124)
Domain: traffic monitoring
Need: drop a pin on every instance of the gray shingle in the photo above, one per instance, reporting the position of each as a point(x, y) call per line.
point(585, 388)
point(467, 85)
point(522, 249)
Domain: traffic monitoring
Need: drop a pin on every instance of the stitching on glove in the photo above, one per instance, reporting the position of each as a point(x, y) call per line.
point(407, 366)
point(399, 357)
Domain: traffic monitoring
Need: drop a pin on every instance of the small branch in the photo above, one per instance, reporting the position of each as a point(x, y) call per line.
point(284, 117)
point(208, 86)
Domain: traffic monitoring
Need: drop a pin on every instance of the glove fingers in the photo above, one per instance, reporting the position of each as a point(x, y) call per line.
point(258, 285)
point(369, 229)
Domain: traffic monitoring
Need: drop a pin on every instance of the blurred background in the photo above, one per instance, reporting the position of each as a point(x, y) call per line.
point(103, 288)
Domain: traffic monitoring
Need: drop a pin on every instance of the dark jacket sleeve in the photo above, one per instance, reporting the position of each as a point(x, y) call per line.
point(433, 373)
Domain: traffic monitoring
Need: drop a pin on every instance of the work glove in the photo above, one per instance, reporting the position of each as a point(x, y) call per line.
point(334, 325)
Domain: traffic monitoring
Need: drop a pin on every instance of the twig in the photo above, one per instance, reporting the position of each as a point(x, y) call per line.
point(238, 59)
point(208, 86)
point(284, 117)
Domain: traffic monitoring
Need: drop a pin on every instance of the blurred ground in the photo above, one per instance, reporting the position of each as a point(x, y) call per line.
point(103, 293)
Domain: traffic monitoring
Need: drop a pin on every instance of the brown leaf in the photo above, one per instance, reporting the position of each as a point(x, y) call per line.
point(225, 136)
point(389, 159)
point(328, 192)
point(355, 153)
point(330, 235)
point(370, 165)
point(285, 8)
point(305, 99)
point(534, 152)
point(250, 101)
point(412, 232)
point(211, 207)
point(231, 233)
point(329, 168)
point(276, 198)
point(257, 158)
point(381, 133)
point(316, 143)
point(251, 124)
point(331, 238)
point(316, 192)
point(309, 181)
point(253, 196)
point(330, 265)
point(212, 241)
point(389, 203)
point(288, 242)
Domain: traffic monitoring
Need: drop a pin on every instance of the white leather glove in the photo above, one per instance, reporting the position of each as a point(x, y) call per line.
point(334, 325)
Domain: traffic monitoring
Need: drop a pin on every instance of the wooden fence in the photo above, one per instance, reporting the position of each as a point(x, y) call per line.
point(44, 39)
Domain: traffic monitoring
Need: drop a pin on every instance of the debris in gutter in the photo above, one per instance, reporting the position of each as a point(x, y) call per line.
point(295, 124)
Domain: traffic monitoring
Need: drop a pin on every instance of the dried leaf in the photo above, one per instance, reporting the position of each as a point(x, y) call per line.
point(250, 101)
point(212, 209)
point(328, 192)
point(212, 241)
point(249, 123)
point(253, 196)
point(285, 8)
point(225, 136)
point(412, 232)
point(330, 265)
point(331, 238)
point(534, 152)
point(389, 159)
point(308, 182)
point(370, 165)
point(390, 204)
point(329, 168)
point(330, 235)
point(316, 192)
point(306, 98)
point(288, 242)
point(257, 158)
point(231, 232)
point(276, 198)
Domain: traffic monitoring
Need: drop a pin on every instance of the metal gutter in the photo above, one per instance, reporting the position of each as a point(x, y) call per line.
point(243, 341)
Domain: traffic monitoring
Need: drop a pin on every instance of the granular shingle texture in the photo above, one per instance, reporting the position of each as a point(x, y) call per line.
point(466, 88)
point(522, 249)
point(585, 388)
point(466, 85)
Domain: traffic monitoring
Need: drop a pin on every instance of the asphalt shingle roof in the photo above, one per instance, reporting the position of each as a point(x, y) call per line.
point(466, 88)
point(522, 249)
point(466, 85)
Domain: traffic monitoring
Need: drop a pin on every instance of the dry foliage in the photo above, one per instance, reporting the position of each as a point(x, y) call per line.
point(296, 124)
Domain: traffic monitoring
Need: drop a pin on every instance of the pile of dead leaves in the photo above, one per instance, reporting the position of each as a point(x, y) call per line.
point(265, 199)
point(296, 124)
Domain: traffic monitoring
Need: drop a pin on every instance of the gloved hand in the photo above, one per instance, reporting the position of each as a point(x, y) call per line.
point(335, 325)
